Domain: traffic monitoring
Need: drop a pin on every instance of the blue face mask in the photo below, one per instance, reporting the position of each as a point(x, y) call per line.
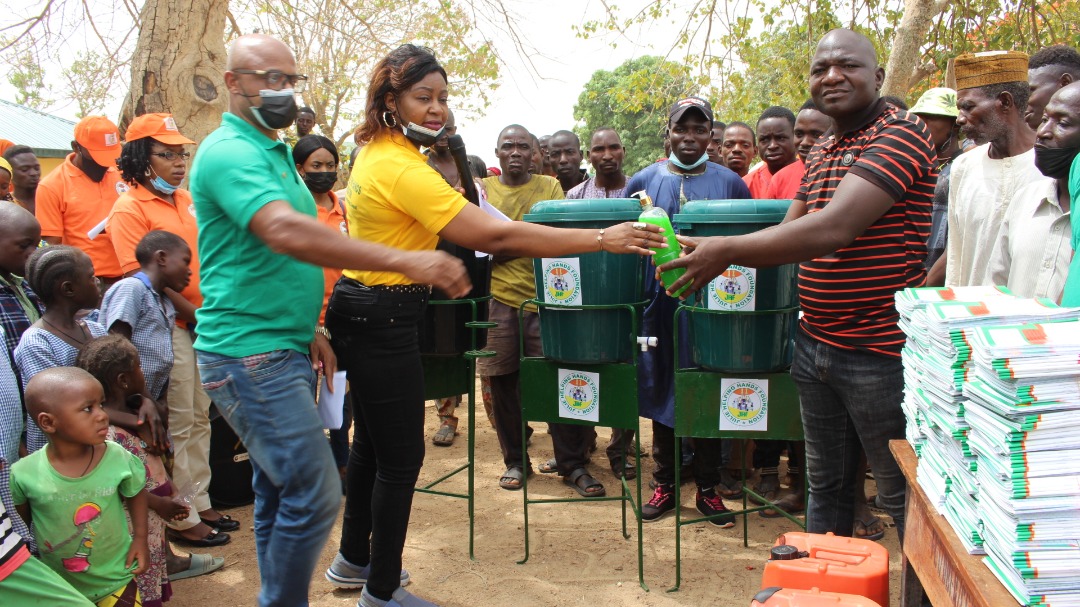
point(673, 159)
point(163, 186)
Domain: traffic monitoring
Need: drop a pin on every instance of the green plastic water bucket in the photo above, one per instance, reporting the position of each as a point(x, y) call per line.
point(601, 278)
point(756, 310)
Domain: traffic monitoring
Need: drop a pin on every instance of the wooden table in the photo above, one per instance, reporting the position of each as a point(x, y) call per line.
point(934, 560)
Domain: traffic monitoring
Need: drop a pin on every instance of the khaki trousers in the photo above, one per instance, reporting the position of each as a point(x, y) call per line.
point(189, 426)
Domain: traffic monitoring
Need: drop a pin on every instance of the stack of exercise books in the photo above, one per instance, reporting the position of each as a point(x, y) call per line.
point(937, 363)
point(1023, 409)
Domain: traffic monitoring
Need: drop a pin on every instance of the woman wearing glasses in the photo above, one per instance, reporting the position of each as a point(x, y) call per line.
point(154, 162)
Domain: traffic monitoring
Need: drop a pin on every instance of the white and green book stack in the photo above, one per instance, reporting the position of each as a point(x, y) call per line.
point(1024, 415)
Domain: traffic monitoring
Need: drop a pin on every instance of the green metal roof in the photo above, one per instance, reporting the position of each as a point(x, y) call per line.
point(50, 136)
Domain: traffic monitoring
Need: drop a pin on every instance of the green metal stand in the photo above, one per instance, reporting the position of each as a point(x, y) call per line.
point(617, 408)
point(697, 415)
point(446, 376)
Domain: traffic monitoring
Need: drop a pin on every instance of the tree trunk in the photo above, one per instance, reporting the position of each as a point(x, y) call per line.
point(910, 34)
point(179, 64)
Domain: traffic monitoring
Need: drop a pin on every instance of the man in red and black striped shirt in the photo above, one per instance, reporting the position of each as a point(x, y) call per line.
point(867, 195)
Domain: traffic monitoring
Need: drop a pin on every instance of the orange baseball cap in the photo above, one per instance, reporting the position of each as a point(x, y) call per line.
point(100, 137)
point(160, 127)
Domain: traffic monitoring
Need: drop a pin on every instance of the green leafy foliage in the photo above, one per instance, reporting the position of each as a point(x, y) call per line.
point(634, 99)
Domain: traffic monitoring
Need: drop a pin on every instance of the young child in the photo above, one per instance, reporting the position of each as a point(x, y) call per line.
point(73, 490)
point(137, 307)
point(114, 362)
point(24, 580)
point(63, 277)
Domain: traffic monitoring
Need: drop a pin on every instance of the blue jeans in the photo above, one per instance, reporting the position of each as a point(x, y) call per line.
point(848, 398)
point(269, 400)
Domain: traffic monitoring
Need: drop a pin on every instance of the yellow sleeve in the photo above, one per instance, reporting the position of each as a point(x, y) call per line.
point(423, 194)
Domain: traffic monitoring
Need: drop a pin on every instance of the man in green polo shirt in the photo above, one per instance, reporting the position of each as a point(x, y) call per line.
point(257, 348)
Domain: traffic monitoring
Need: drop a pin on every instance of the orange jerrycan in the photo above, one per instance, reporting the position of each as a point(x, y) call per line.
point(789, 597)
point(833, 564)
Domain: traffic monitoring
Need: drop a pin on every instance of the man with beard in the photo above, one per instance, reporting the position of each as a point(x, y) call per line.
point(564, 154)
point(606, 156)
point(686, 175)
point(514, 192)
point(738, 147)
point(1048, 70)
point(1056, 156)
point(992, 94)
point(868, 186)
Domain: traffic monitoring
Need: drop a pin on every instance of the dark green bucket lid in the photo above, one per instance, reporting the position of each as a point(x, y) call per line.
point(594, 209)
point(732, 211)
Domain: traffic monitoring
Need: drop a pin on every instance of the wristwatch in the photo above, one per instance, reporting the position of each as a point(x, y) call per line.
point(324, 331)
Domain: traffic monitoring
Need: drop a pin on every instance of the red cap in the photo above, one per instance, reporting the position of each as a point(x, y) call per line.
point(100, 137)
point(160, 127)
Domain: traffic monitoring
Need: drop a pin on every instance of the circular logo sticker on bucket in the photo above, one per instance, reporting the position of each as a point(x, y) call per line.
point(562, 281)
point(579, 395)
point(735, 289)
point(744, 403)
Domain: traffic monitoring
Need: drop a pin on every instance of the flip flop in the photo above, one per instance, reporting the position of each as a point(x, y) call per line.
point(445, 436)
point(511, 480)
point(865, 524)
point(201, 564)
point(582, 481)
point(548, 467)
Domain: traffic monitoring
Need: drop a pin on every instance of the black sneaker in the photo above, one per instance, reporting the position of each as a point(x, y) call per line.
point(709, 503)
point(662, 502)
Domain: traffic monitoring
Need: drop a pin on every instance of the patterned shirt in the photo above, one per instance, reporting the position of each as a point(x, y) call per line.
point(847, 295)
point(13, 316)
point(588, 189)
point(151, 317)
point(11, 429)
point(38, 350)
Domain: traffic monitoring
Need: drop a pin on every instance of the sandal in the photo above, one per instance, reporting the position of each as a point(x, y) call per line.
point(623, 470)
point(730, 487)
point(511, 480)
point(445, 436)
point(792, 503)
point(862, 526)
point(548, 467)
point(201, 564)
point(872, 504)
point(585, 484)
point(768, 486)
point(222, 523)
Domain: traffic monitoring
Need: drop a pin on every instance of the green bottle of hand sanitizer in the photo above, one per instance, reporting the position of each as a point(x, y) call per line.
point(659, 217)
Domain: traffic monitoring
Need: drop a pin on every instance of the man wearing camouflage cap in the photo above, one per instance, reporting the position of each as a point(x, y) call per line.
point(937, 108)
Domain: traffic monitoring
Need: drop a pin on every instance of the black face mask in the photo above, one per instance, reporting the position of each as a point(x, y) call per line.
point(322, 182)
point(1054, 162)
point(278, 109)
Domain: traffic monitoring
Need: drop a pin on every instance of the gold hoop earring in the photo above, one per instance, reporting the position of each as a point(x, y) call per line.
point(387, 121)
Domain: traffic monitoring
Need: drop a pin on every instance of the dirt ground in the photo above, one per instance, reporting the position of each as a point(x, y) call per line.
point(579, 556)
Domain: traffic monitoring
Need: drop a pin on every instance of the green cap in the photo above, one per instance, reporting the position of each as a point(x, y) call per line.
point(937, 102)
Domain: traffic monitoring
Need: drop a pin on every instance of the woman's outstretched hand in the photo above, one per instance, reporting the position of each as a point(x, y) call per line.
point(633, 237)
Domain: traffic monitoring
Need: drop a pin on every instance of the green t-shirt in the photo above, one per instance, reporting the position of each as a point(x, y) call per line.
point(79, 523)
point(1071, 295)
point(254, 300)
point(512, 281)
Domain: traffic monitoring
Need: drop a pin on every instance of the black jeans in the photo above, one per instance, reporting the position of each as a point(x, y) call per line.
point(706, 464)
point(375, 337)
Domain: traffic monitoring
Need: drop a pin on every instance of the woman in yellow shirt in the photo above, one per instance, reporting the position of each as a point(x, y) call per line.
point(396, 199)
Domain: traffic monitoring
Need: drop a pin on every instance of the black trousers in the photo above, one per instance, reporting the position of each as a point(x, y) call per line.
point(375, 337)
point(707, 457)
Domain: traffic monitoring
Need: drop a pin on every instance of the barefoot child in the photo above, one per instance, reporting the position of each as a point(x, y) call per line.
point(73, 491)
point(114, 362)
point(63, 277)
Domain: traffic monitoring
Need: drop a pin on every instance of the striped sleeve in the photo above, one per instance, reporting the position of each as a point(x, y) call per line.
point(898, 157)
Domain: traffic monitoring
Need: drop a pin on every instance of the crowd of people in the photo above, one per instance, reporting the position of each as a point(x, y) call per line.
point(130, 306)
